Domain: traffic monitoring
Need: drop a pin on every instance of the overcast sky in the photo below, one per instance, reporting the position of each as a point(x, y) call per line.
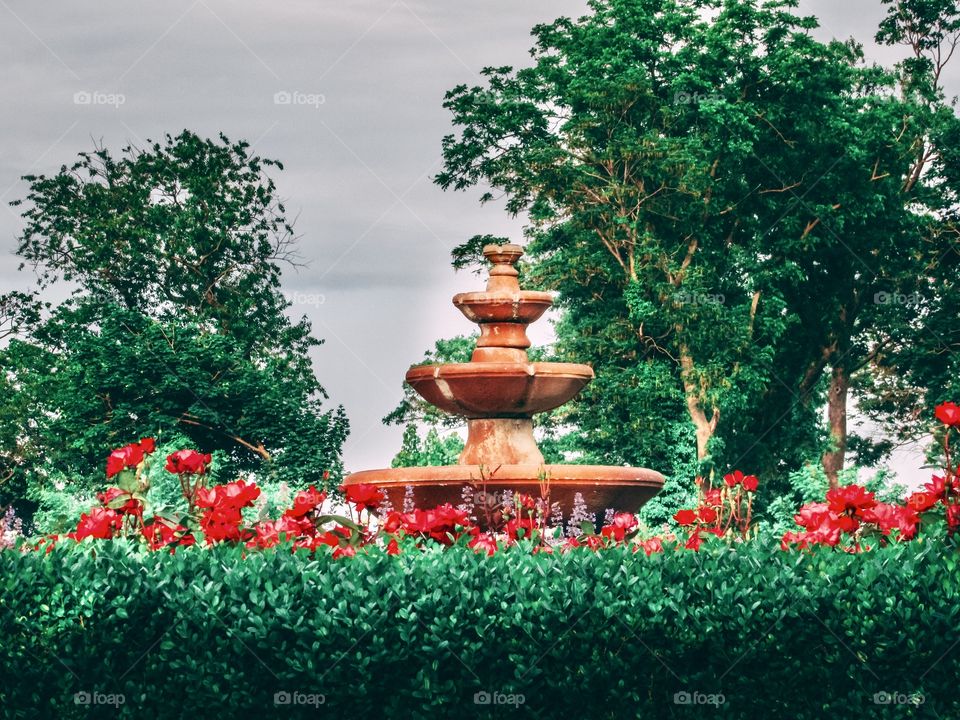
point(360, 142)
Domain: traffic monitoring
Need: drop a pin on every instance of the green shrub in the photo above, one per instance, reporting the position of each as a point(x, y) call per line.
point(209, 632)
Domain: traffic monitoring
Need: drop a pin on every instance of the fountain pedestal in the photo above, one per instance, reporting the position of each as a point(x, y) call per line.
point(498, 392)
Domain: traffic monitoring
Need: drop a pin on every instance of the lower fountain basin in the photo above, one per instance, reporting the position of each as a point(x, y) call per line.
point(499, 389)
point(602, 487)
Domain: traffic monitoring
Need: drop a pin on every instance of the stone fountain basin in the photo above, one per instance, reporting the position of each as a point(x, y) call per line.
point(602, 487)
point(524, 307)
point(498, 389)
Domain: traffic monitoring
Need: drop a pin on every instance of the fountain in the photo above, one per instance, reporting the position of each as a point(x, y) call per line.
point(498, 392)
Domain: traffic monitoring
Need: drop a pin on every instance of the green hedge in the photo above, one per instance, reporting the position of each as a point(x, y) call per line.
point(207, 633)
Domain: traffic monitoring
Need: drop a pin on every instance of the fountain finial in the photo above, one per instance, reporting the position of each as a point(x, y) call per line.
point(503, 274)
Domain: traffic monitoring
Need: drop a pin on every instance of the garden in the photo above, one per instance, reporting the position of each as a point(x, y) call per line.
point(691, 501)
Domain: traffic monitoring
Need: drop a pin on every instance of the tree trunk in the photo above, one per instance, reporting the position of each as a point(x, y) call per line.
point(705, 428)
point(837, 418)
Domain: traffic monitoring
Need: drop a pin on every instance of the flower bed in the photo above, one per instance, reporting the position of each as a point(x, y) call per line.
point(420, 612)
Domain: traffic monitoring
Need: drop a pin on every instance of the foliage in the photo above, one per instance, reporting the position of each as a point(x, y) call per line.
point(175, 328)
point(431, 450)
point(715, 192)
point(423, 634)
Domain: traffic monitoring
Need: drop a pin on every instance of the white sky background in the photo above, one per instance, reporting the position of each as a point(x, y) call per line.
point(376, 232)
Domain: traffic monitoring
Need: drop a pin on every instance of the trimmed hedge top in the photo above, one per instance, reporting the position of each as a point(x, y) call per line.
point(747, 632)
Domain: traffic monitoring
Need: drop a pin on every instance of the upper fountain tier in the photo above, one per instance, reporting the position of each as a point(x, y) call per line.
point(500, 381)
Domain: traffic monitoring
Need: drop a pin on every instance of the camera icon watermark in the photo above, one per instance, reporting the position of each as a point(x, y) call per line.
point(896, 298)
point(898, 698)
point(695, 98)
point(85, 697)
point(87, 97)
point(301, 298)
point(485, 697)
point(296, 97)
point(285, 697)
point(699, 298)
point(695, 697)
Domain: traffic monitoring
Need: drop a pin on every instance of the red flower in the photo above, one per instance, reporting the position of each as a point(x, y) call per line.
point(98, 523)
point(749, 482)
point(937, 486)
point(651, 546)
point(188, 462)
point(949, 414)
point(953, 516)
point(707, 515)
point(686, 517)
point(812, 515)
point(713, 498)
point(162, 533)
point(344, 551)
point(364, 496)
point(121, 500)
point(850, 498)
point(694, 541)
point(306, 501)
point(623, 523)
point(484, 543)
point(889, 517)
point(515, 525)
point(921, 501)
point(733, 479)
point(393, 547)
point(129, 456)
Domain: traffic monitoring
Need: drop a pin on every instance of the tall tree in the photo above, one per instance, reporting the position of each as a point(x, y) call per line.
point(176, 324)
point(729, 183)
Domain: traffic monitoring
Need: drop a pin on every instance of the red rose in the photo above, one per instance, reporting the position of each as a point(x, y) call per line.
point(750, 483)
point(937, 486)
point(953, 516)
point(949, 414)
point(712, 497)
point(651, 546)
point(393, 547)
point(686, 517)
point(733, 479)
point(129, 456)
point(484, 543)
point(363, 495)
point(188, 462)
point(850, 498)
point(122, 501)
point(527, 525)
point(921, 501)
point(305, 502)
point(622, 524)
point(98, 523)
point(707, 515)
point(812, 515)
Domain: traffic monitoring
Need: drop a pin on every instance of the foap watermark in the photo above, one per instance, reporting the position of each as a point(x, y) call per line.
point(296, 97)
point(695, 98)
point(486, 697)
point(300, 298)
point(94, 97)
point(898, 698)
point(685, 697)
point(285, 697)
point(896, 298)
point(85, 697)
point(697, 298)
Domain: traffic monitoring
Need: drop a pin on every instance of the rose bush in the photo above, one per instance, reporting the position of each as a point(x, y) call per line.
point(849, 518)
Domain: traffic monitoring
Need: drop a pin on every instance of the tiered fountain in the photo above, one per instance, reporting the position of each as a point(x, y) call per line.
point(498, 392)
